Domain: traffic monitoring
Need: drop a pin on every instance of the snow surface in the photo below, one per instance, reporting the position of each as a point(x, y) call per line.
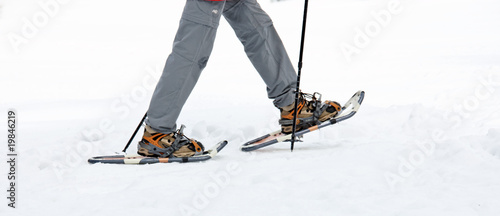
point(425, 142)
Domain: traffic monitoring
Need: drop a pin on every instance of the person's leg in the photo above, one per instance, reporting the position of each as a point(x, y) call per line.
point(191, 50)
point(264, 48)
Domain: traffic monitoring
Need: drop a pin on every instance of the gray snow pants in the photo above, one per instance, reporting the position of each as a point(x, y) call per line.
point(192, 47)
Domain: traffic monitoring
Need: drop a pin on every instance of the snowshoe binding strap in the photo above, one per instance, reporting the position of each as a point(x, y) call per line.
point(308, 101)
point(318, 112)
point(180, 141)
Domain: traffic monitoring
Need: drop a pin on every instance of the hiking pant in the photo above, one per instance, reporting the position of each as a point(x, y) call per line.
point(192, 47)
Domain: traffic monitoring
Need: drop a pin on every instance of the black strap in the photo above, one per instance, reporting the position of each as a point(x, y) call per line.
point(178, 143)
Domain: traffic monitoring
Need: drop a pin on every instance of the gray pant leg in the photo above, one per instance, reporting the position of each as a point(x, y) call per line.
point(264, 48)
point(191, 49)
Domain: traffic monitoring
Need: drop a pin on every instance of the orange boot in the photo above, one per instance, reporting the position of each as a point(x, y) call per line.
point(166, 145)
point(311, 111)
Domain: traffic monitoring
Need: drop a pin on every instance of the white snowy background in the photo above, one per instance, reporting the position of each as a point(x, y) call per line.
point(425, 142)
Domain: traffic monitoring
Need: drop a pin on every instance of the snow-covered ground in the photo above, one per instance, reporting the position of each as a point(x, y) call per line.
point(425, 142)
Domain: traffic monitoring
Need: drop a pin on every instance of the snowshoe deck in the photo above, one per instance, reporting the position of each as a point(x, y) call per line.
point(139, 159)
point(348, 110)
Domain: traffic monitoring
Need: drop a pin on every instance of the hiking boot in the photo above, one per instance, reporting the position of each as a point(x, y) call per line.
point(155, 144)
point(311, 111)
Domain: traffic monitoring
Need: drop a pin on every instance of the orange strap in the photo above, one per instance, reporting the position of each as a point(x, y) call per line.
point(299, 108)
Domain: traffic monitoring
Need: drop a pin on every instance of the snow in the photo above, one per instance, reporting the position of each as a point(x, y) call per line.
point(425, 142)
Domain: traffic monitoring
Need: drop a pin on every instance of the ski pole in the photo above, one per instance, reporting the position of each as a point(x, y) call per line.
point(294, 125)
point(135, 132)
